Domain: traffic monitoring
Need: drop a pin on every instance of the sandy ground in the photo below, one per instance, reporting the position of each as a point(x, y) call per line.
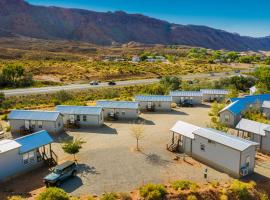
point(108, 161)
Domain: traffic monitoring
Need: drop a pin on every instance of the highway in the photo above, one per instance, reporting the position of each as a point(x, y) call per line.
point(51, 89)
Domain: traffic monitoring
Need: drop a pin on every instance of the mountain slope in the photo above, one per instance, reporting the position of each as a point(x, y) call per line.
point(19, 17)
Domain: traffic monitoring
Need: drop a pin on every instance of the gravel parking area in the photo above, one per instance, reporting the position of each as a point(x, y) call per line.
point(108, 161)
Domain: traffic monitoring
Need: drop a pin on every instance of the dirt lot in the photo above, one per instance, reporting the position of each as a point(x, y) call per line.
point(108, 161)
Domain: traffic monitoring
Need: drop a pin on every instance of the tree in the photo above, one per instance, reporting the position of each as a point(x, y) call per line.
point(53, 194)
point(2, 98)
point(73, 146)
point(137, 131)
point(171, 82)
point(62, 96)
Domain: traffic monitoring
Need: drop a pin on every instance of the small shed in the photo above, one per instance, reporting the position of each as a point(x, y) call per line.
point(255, 131)
point(193, 97)
point(231, 114)
point(266, 109)
point(29, 121)
point(81, 115)
point(223, 151)
point(182, 136)
point(123, 110)
point(154, 102)
point(25, 153)
point(211, 95)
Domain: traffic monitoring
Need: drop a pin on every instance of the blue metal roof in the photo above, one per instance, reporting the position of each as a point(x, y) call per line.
point(241, 104)
point(186, 93)
point(214, 91)
point(34, 141)
point(159, 98)
point(225, 138)
point(33, 115)
point(118, 104)
point(79, 110)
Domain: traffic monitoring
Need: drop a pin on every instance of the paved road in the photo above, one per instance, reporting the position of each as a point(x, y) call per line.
point(29, 91)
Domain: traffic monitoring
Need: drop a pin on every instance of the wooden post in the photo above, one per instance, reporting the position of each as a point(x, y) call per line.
point(173, 138)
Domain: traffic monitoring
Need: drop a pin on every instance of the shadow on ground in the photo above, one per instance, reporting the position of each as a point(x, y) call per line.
point(155, 159)
point(105, 129)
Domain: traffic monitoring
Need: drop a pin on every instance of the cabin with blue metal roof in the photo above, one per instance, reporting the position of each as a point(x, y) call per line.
point(211, 95)
point(232, 113)
point(181, 96)
point(81, 116)
point(119, 110)
point(154, 102)
point(30, 121)
point(25, 154)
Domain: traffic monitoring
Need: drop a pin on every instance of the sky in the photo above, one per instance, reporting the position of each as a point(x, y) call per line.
point(246, 17)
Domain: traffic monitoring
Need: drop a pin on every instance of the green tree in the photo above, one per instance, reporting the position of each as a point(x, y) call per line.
point(171, 82)
point(2, 98)
point(53, 194)
point(73, 146)
point(63, 96)
point(263, 75)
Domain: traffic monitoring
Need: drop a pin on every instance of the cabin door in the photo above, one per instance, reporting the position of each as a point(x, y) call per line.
point(72, 118)
point(27, 124)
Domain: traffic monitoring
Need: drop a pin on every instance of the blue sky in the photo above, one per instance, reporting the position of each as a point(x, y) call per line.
point(246, 17)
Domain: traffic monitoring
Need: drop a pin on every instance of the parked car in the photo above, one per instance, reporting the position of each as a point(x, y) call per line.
point(237, 71)
point(186, 103)
point(94, 83)
point(111, 83)
point(60, 173)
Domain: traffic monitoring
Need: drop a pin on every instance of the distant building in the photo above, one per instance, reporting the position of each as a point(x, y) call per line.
point(154, 102)
point(29, 121)
point(252, 90)
point(255, 131)
point(193, 97)
point(122, 110)
point(25, 154)
point(207, 145)
point(81, 115)
point(136, 59)
point(211, 95)
point(156, 59)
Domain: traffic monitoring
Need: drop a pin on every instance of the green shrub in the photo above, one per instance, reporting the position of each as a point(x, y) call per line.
point(109, 196)
point(241, 189)
point(8, 129)
point(184, 185)
point(153, 191)
point(124, 196)
point(263, 196)
point(53, 194)
point(223, 197)
point(4, 117)
point(16, 198)
point(191, 197)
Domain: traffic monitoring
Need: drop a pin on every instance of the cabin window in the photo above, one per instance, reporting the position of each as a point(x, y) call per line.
point(202, 147)
point(59, 124)
point(78, 118)
point(40, 124)
point(159, 104)
point(33, 124)
point(31, 155)
point(84, 118)
point(25, 159)
point(123, 113)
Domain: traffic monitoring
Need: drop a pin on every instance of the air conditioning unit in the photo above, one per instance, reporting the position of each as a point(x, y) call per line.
point(244, 171)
